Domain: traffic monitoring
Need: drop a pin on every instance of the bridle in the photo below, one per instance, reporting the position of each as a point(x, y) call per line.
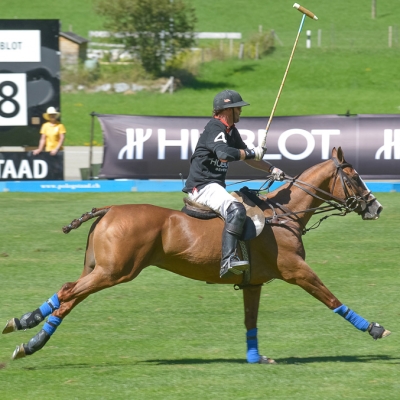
point(354, 198)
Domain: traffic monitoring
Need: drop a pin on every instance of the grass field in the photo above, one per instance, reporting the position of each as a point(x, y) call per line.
point(166, 337)
point(352, 70)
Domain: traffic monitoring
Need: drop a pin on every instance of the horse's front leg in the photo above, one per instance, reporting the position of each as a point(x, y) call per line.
point(251, 300)
point(307, 279)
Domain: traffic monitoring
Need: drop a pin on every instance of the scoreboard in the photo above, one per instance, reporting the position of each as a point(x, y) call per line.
point(29, 78)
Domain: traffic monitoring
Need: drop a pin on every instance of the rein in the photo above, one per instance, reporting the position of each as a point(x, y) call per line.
point(352, 201)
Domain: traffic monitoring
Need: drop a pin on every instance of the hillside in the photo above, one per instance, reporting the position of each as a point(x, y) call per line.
point(352, 69)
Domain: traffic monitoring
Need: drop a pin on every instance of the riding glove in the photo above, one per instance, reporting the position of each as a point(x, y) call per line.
point(277, 174)
point(257, 153)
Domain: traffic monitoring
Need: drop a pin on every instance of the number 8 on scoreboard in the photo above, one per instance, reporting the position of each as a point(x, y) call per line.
point(13, 100)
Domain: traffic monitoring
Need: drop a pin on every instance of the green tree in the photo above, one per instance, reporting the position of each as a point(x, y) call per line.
point(157, 29)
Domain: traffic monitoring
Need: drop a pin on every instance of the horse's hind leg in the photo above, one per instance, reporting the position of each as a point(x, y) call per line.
point(31, 319)
point(65, 299)
point(34, 318)
point(43, 336)
point(52, 308)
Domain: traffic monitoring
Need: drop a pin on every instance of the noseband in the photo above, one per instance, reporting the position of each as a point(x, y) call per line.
point(354, 198)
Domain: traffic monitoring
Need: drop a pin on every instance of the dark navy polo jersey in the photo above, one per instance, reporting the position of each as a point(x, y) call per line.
point(214, 145)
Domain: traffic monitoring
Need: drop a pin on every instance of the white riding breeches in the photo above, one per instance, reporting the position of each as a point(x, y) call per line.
point(213, 196)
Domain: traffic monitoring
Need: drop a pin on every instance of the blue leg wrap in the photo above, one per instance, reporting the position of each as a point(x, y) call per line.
point(355, 319)
point(50, 305)
point(51, 324)
point(252, 346)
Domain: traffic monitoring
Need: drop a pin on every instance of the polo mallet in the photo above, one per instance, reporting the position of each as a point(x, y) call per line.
point(312, 16)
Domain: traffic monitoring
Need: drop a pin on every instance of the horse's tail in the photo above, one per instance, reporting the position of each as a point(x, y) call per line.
point(76, 223)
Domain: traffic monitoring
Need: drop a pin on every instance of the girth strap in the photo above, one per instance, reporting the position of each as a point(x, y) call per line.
point(245, 255)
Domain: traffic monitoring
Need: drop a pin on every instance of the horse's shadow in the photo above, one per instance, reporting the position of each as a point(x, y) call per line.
point(283, 361)
point(190, 361)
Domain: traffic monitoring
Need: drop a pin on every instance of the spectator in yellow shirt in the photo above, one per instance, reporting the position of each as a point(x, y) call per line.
point(52, 133)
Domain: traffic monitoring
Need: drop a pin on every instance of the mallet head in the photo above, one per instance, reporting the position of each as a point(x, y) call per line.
point(305, 11)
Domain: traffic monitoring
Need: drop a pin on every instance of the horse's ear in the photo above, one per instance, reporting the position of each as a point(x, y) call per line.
point(340, 155)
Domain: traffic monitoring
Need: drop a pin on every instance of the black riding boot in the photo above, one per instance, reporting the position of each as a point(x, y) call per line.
point(235, 219)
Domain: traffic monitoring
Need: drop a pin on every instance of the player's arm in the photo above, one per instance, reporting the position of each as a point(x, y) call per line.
point(216, 143)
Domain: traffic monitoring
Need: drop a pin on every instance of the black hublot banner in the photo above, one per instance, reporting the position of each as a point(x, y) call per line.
point(145, 147)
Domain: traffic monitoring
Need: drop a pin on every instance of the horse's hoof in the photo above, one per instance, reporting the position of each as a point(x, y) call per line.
point(10, 326)
point(19, 352)
point(377, 331)
point(386, 333)
point(266, 360)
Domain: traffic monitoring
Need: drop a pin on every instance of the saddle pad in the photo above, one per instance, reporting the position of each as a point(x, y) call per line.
point(255, 220)
point(198, 210)
point(255, 216)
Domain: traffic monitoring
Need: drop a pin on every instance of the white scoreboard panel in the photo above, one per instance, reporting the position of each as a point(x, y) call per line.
point(20, 46)
point(29, 78)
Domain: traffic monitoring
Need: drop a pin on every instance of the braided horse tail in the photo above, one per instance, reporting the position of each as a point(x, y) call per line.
point(76, 223)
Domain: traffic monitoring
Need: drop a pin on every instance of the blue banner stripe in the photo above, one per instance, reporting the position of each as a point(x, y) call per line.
point(144, 186)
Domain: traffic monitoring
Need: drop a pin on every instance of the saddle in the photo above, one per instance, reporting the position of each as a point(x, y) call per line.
point(255, 219)
point(253, 226)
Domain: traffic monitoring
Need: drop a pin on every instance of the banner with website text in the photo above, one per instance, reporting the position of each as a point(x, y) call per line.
point(146, 147)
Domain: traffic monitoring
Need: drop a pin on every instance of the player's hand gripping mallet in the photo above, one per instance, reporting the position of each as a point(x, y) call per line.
point(305, 12)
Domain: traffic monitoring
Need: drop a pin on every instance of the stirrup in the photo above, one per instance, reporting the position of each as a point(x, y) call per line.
point(235, 266)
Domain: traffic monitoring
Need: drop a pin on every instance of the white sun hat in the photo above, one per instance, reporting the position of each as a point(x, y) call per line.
point(50, 111)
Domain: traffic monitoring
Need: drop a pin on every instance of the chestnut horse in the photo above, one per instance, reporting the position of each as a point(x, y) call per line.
point(125, 239)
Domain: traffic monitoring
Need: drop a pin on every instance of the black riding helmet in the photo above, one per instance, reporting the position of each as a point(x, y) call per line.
point(228, 99)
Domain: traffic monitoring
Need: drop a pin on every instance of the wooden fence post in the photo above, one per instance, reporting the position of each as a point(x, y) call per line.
point(241, 50)
point(373, 9)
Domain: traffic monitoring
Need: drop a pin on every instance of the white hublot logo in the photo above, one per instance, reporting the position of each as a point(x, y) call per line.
point(391, 139)
point(132, 142)
point(135, 138)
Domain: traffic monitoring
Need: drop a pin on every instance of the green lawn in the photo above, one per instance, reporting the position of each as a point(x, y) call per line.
point(163, 336)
